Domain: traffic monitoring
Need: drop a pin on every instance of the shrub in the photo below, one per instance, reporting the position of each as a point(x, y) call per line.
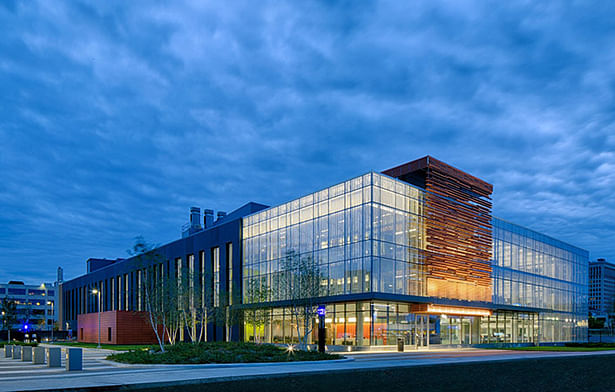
point(218, 352)
point(16, 343)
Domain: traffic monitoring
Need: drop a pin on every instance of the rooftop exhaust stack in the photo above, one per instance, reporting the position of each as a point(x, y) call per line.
point(221, 214)
point(194, 226)
point(208, 218)
point(60, 277)
point(195, 217)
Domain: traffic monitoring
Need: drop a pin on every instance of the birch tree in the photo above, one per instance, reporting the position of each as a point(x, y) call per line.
point(157, 290)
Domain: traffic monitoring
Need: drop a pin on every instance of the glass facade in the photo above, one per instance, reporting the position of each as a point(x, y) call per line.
point(533, 270)
point(367, 235)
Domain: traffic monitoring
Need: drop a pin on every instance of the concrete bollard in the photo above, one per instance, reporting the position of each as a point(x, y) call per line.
point(38, 355)
point(74, 358)
point(16, 352)
point(54, 357)
point(26, 354)
point(8, 351)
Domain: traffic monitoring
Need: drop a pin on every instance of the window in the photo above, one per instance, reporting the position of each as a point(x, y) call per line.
point(229, 271)
point(191, 279)
point(126, 288)
point(113, 294)
point(215, 261)
point(109, 334)
point(139, 288)
point(202, 277)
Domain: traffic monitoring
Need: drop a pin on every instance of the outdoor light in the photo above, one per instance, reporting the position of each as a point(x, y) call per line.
point(290, 348)
point(47, 318)
point(96, 292)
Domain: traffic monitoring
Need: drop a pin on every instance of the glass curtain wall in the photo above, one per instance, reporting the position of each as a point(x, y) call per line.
point(366, 234)
point(534, 270)
point(382, 323)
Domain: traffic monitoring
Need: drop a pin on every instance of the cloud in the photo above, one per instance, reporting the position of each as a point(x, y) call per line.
point(115, 118)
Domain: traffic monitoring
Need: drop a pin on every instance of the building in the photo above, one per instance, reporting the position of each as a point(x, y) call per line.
point(213, 249)
point(601, 288)
point(412, 253)
point(36, 305)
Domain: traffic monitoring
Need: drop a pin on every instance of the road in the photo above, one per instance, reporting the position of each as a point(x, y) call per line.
point(21, 376)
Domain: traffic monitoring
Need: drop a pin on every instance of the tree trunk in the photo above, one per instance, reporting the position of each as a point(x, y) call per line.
point(155, 327)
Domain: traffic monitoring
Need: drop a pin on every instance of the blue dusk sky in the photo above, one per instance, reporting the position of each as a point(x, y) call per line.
point(117, 116)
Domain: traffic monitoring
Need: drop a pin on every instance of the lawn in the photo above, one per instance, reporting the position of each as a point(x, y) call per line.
point(115, 347)
point(566, 347)
point(219, 352)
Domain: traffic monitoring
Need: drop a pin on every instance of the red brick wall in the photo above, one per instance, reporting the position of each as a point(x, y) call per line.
point(134, 328)
point(126, 328)
point(87, 327)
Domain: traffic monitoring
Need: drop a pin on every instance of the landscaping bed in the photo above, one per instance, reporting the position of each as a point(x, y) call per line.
point(16, 343)
point(218, 352)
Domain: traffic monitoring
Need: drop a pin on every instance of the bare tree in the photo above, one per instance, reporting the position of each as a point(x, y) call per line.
point(9, 314)
point(300, 284)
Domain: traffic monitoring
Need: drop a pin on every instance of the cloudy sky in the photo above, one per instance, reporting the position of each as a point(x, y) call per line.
point(116, 116)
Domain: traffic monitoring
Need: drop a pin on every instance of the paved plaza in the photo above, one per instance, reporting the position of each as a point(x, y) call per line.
point(98, 372)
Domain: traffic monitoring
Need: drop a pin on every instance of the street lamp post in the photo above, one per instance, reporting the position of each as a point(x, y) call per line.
point(52, 316)
point(97, 292)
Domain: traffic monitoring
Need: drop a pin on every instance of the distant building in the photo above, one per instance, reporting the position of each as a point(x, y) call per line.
point(601, 288)
point(36, 305)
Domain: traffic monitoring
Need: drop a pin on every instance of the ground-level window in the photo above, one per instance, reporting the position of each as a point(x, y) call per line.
point(381, 324)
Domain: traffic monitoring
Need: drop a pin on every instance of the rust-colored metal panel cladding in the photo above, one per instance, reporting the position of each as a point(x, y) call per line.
point(457, 228)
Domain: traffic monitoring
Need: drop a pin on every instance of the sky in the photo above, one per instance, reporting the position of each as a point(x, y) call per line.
point(116, 117)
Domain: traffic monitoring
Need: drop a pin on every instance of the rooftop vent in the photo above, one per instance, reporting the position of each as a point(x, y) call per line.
point(208, 217)
point(194, 225)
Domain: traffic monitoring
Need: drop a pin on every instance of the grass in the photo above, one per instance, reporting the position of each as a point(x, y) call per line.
point(115, 347)
point(571, 347)
point(218, 352)
point(557, 348)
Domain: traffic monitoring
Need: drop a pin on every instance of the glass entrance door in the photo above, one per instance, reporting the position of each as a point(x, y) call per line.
point(419, 331)
point(465, 327)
